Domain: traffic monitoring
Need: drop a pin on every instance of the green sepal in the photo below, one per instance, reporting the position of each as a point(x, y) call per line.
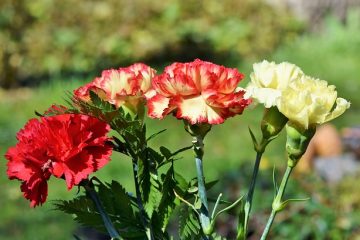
point(272, 123)
point(297, 142)
point(283, 204)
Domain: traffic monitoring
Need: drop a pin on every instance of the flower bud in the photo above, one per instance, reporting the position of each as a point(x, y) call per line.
point(297, 142)
point(272, 123)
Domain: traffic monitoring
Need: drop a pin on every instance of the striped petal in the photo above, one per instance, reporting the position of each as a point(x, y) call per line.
point(158, 106)
point(195, 110)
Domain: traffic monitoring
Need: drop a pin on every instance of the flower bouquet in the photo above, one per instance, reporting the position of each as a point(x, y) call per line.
point(108, 114)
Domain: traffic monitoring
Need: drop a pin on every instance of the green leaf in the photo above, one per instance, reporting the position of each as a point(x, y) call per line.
point(169, 157)
point(181, 181)
point(116, 203)
point(120, 146)
point(189, 227)
point(253, 138)
point(167, 202)
point(241, 234)
point(155, 134)
point(227, 209)
point(166, 152)
point(154, 196)
point(182, 150)
point(122, 201)
point(276, 188)
point(149, 187)
point(84, 211)
point(155, 157)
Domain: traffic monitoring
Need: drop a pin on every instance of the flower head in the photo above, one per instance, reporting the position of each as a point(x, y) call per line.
point(198, 91)
point(123, 87)
point(269, 80)
point(308, 101)
point(69, 146)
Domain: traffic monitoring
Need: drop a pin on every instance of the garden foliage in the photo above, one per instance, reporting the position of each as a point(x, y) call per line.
point(46, 37)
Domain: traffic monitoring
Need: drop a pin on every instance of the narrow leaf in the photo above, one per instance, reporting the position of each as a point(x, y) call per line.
point(155, 134)
point(255, 143)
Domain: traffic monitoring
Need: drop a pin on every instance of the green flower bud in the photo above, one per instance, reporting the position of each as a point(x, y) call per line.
point(297, 142)
point(272, 123)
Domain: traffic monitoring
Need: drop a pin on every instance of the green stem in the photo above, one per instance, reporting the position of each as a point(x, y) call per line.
point(249, 196)
point(277, 203)
point(144, 221)
point(260, 149)
point(268, 225)
point(204, 210)
point(106, 219)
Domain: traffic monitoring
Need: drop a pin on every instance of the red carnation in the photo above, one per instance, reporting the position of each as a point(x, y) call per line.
point(69, 146)
point(198, 91)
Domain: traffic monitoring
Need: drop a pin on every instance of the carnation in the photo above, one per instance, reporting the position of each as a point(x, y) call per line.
point(309, 102)
point(68, 146)
point(198, 91)
point(269, 80)
point(123, 87)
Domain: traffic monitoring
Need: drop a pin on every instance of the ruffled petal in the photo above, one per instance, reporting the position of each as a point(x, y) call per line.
point(267, 96)
point(158, 106)
point(195, 110)
point(180, 84)
point(341, 106)
point(35, 190)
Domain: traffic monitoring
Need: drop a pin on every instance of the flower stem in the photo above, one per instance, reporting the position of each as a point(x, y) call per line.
point(106, 219)
point(268, 225)
point(277, 205)
point(260, 149)
point(249, 195)
point(204, 210)
point(144, 221)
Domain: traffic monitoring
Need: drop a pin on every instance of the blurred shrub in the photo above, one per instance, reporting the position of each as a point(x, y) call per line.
point(332, 55)
point(48, 37)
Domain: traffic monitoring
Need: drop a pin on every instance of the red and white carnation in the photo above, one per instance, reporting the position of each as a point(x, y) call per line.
point(121, 87)
point(198, 91)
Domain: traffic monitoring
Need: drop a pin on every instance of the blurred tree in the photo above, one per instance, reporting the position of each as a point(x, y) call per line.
point(48, 37)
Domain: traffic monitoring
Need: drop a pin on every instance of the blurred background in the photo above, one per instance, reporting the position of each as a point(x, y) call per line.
point(49, 47)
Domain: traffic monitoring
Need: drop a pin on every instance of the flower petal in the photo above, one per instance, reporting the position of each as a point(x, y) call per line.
point(195, 110)
point(158, 106)
point(341, 106)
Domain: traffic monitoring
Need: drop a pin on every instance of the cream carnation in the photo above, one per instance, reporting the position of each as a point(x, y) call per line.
point(308, 102)
point(269, 80)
